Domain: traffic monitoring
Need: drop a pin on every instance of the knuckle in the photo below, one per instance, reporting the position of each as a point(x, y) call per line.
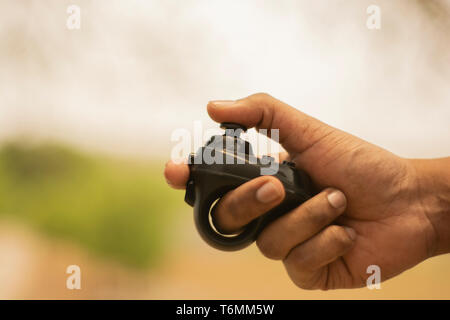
point(261, 96)
point(261, 99)
point(338, 235)
point(297, 262)
point(301, 284)
point(318, 211)
point(304, 279)
point(306, 285)
point(302, 265)
point(315, 214)
point(334, 231)
point(269, 248)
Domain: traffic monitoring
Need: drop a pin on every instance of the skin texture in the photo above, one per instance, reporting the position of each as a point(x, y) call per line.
point(375, 208)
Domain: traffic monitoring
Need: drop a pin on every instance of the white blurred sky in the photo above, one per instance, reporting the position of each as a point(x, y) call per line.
point(137, 70)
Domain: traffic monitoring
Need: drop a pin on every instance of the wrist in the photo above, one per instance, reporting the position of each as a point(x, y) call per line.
point(433, 192)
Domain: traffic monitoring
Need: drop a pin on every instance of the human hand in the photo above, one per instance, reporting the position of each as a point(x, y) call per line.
point(375, 208)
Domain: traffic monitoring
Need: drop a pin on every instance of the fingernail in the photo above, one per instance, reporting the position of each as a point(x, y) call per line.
point(222, 103)
point(337, 199)
point(268, 193)
point(351, 232)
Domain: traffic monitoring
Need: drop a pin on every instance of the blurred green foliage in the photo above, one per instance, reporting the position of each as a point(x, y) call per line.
point(119, 209)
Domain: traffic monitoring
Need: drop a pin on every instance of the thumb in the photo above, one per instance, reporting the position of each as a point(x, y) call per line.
point(297, 131)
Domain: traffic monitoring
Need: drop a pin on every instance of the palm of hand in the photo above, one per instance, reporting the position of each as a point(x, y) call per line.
point(393, 231)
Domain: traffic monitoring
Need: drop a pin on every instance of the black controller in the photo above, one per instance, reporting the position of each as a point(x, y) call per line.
point(223, 164)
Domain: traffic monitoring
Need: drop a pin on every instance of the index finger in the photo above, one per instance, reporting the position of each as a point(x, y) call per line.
point(297, 130)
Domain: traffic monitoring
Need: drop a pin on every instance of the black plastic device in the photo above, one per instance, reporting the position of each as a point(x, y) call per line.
point(223, 164)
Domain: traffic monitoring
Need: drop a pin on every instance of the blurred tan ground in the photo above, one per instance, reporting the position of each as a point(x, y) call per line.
point(33, 267)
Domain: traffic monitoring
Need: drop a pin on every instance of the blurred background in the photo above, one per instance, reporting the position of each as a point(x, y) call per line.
point(86, 118)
